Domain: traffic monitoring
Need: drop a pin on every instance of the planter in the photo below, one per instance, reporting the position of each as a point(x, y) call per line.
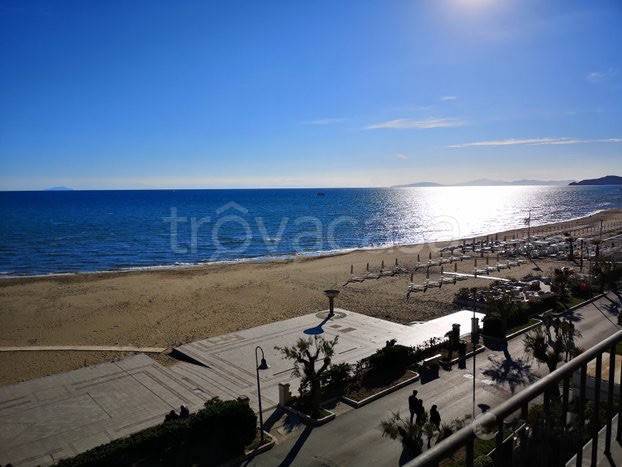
point(356, 403)
point(429, 373)
point(307, 419)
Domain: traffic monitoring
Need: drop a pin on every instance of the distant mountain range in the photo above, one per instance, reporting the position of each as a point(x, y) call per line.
point(487, 182)
point(606, 180)
point(59, 188)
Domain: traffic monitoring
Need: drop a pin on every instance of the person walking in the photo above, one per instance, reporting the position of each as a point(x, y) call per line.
point(435, 417)
point(413, 404)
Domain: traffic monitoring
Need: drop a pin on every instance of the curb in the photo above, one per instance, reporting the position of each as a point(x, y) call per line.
point(266, 446)
point(306, 419)
point(578, 305)
point(525, 329)
point(480, 348)
point(356, 404)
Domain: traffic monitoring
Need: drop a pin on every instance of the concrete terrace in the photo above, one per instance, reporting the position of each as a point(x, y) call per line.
point(229, 362)
point(46, 419)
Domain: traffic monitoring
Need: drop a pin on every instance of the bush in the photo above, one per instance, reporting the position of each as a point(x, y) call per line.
point(391, 358)
point(336, 378)
point(493, 326)
point(215, 434)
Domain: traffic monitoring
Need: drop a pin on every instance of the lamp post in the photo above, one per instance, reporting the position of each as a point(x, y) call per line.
point(474, 343)
point(260, 366)
point(331, 294)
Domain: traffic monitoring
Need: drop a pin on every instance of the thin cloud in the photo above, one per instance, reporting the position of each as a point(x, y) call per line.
point(407, 123)
point(324, 121)
point(402, 157)
point(600, 76)
point(449, 98)
point(534, 142)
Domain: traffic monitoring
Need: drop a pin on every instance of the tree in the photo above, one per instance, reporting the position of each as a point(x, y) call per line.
point(606, 273)
point(561, 282)
point(305, 353)
point(453, 342)
point(570, 242)
point(553, 342)
point(429, 430)
point(409, 433)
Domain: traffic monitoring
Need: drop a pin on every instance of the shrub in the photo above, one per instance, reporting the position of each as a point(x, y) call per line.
point(337, 377)
point(493, 326)
point(215, 434)
point(391, 358)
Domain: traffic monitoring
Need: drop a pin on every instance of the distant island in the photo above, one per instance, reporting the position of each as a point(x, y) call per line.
point(606, 180)
point(487, 182)
point(59, 188)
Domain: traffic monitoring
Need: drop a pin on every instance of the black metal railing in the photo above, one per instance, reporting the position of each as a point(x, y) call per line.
point(545, 391)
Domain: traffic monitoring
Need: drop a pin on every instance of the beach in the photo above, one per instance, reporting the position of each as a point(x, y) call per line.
point(167, 307)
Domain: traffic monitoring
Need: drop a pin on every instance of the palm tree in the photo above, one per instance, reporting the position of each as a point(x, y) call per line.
point(561, 282)
point(429, 430)
point(453, 337)
point(570, 241)
point(410, 434)
point(305, 353)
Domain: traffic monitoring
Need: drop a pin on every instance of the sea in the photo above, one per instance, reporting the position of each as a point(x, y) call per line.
point(66, 232)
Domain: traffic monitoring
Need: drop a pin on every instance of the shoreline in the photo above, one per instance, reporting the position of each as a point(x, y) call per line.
point(267, 259)
point(166, 307)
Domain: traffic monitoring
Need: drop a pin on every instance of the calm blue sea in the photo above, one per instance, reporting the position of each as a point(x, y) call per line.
point(73, 231)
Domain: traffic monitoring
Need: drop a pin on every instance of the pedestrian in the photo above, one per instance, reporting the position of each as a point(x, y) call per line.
point(413, 404)
point(172, 415)
point(421, 413)
point(435, 417)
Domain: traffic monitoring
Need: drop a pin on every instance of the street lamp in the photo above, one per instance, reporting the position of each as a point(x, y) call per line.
point(331, 294)
point(260, 366)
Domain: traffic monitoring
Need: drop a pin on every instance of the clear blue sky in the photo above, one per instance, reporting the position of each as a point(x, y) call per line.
point(132, 94)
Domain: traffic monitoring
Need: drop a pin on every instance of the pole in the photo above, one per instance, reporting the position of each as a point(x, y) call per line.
point(259, 391)
point(474, 342)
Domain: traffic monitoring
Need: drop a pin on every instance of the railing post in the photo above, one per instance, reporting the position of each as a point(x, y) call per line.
point(469, 451)
point(499, 461)
point(610, 388)
point(619, 432)
point(581, 414)
point(596, 409)
point(565, 391)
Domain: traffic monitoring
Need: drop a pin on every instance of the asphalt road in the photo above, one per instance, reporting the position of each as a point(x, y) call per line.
point(354, 437)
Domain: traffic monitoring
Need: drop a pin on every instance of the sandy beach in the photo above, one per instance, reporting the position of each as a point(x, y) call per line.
point(172, 306)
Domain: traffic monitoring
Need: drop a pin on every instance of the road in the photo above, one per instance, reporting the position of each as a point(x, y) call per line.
point(354, 437)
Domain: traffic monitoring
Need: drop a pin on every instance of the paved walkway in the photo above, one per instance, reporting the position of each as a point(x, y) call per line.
point(58, 416)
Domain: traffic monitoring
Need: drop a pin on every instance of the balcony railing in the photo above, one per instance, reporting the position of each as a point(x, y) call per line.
point(544, 391)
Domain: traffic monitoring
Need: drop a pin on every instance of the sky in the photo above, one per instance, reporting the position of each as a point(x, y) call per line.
point(201, 94)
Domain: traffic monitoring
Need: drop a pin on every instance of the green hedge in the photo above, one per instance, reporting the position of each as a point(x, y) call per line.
point(216, 433)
